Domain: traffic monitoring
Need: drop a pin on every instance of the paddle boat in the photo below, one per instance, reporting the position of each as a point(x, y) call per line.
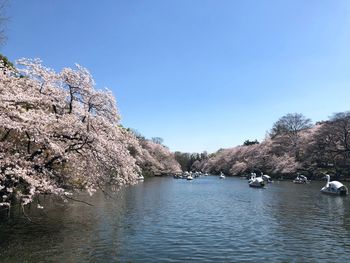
point(334, 187)
point(257, 182)
point(222, 176)
point(300, 179)
point(266, 178)
point(197, 174)
point(185, 175)
point(177, 176)
point(140, 177)
point(190, 177)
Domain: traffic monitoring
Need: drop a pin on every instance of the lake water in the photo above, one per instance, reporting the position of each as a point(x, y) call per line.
point(169, 220)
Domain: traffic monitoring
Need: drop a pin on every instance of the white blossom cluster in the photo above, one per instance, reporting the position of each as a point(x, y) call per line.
point(58, 133)
point(156, 159)
point(267, 156)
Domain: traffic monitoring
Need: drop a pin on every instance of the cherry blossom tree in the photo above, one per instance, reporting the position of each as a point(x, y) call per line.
point(262, 157)
point(332, 144)
point(151, 156)
point(156, 159)
point(58, 133)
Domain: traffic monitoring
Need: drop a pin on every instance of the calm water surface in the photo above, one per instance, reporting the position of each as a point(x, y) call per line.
point(168, 220)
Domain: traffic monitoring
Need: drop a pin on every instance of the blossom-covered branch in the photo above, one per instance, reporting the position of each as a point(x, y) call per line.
point(58, 133)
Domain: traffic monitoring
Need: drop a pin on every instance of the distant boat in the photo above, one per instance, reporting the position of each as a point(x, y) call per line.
point(177, 176)
point(300, 179)
point(185, 175)
point(257, 182)
point(140, 177)
point(189, 177)
point(222, 176)
point(334, 187)
point(197, 174)
point(266, 178)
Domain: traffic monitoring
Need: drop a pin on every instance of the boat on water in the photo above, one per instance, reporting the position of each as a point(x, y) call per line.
point(140, 177)
point(197, 174)
point(190, 177)
point(300, 179)
point(185, 175)
point(177, 176)
point(266, 178)
point(257, 182)
point(334, 187)
point(222, 176)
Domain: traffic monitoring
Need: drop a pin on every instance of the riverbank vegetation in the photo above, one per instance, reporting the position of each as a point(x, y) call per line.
point(293, 145)
point(59, 133)
point(154, 158)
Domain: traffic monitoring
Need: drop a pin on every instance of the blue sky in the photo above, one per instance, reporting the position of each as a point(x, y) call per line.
point(201, 74)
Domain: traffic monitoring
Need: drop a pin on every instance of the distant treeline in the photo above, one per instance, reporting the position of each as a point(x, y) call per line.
point(293, 145)
point(189, 161)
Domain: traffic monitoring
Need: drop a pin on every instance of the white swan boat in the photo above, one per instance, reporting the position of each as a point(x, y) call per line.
point(140, 177)
point(300, 179)
point(185, 175)
point(197, 174)
point(189, 177)
point(334, 187)
point(266, 178)
point(257, 182)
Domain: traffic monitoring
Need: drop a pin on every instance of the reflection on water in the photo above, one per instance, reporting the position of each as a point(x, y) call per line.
point(167, 220)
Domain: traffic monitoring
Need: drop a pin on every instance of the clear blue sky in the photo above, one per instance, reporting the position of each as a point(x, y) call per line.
point(202, 75)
